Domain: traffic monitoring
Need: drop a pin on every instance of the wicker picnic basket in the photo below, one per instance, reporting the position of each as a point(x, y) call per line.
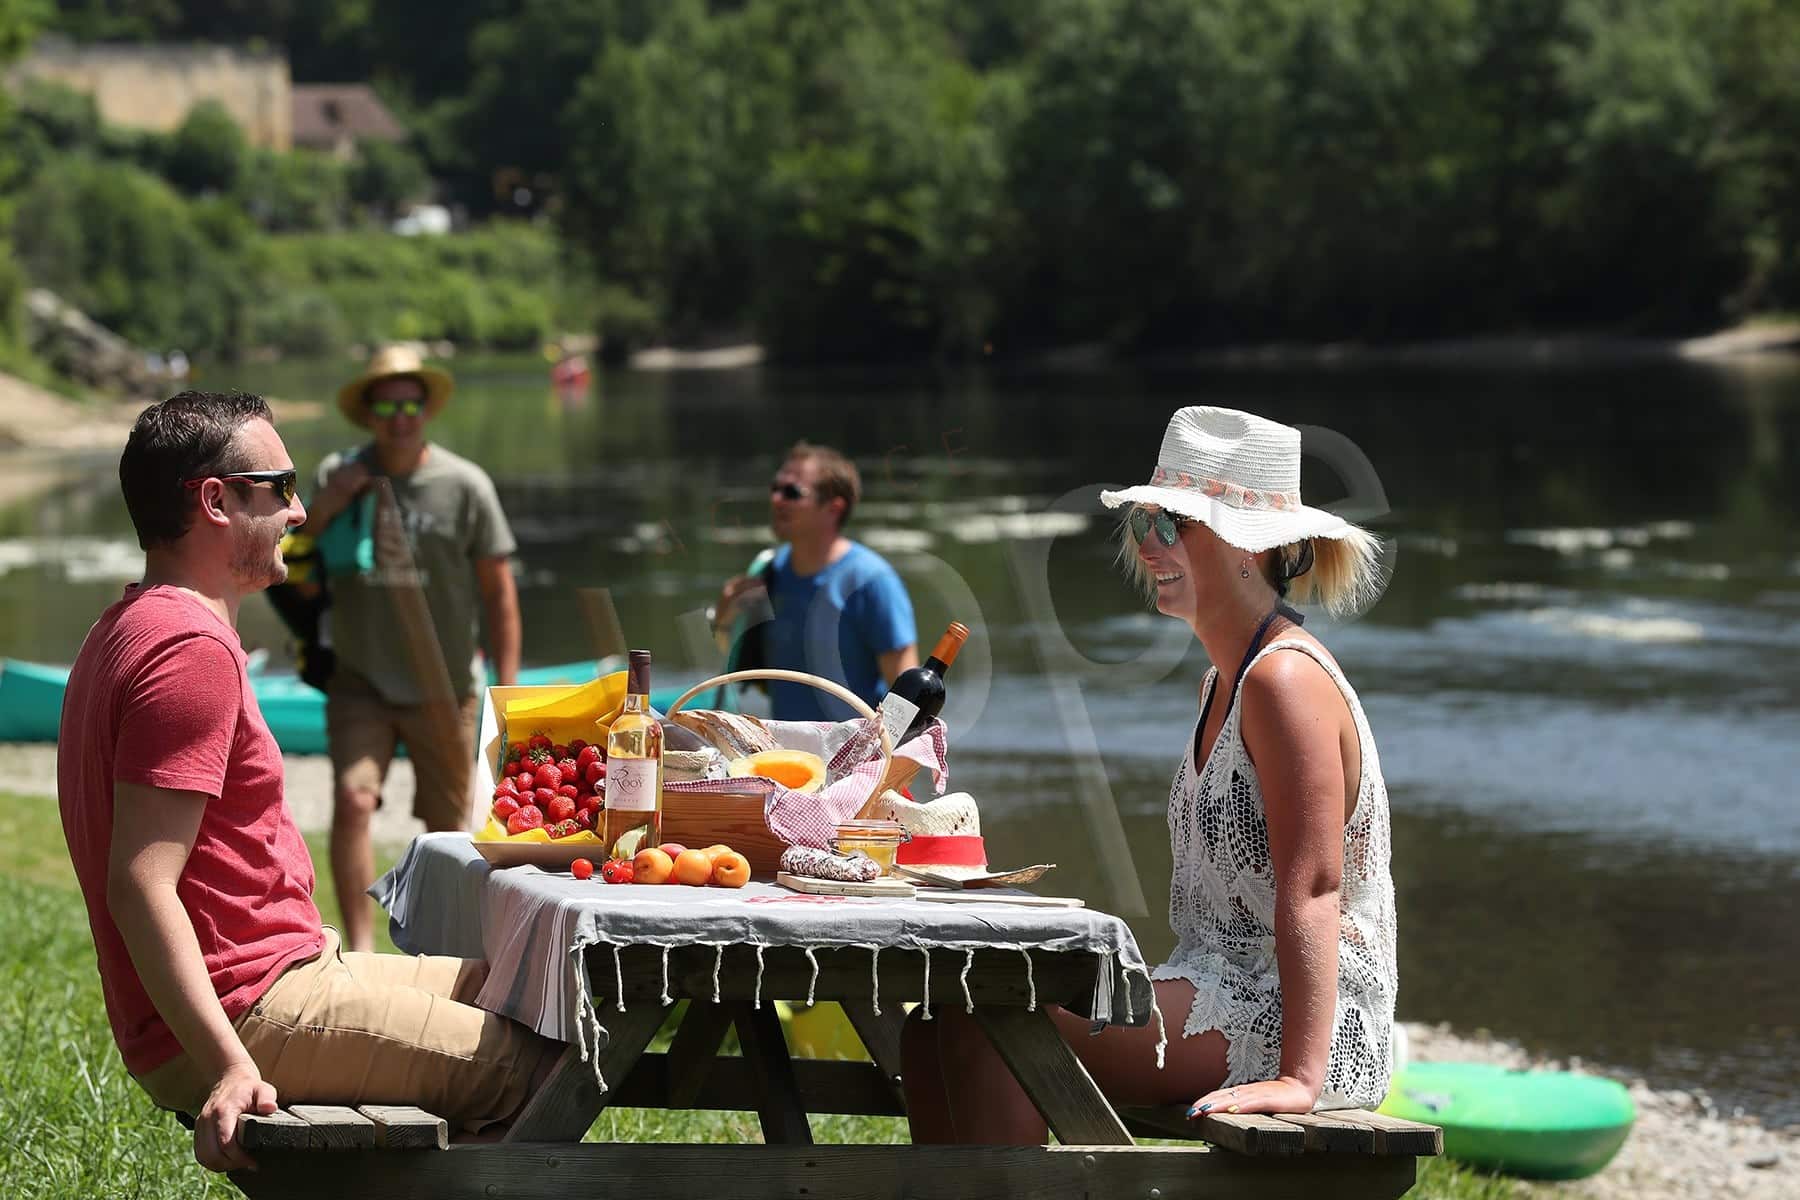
point(703, 817)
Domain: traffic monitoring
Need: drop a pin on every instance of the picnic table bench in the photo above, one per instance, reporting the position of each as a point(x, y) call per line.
point(318, 1151)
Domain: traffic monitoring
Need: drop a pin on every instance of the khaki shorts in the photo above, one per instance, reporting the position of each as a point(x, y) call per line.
point(363, 729)
point(353, 1028)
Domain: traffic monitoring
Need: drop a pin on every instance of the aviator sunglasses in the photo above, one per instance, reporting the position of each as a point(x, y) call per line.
point(388, 408)
point(286, 483)
point(1168, 528)
point(790, 491)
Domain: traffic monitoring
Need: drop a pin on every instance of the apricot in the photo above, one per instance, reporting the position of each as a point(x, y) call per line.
point(693, 868)
point(672, 849)
point(731, 870)
point(712, 852)
point(651, 866)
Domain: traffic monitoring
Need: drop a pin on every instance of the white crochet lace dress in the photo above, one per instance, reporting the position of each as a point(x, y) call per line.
point(1222, 909)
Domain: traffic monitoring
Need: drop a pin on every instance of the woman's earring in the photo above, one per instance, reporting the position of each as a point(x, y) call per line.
point(1244, 569)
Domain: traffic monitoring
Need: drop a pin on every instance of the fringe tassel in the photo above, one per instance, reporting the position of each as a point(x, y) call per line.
point(718, 961)
point(666, 998)
point(756, 1001)
point(586, 1014)
point(1162, 1033)
point(618, 978)
point(814, 981)
point(875, 977)
point(1030, 981)
point(968, 963)
point(925, 1005)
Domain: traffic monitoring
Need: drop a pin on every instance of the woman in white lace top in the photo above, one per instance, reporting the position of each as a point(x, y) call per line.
point(1283, 977)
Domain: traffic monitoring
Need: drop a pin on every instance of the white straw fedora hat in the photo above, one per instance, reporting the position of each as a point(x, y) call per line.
point(388, 363)
point(1237, 472)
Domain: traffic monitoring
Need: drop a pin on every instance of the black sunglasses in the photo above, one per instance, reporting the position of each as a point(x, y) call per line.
point(1168, 528)
point(790, 491)
point(286, 483)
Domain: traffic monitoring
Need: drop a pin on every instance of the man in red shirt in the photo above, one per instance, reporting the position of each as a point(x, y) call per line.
point(221, 984)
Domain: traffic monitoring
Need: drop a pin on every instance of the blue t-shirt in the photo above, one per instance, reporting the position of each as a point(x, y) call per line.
point(834, 624)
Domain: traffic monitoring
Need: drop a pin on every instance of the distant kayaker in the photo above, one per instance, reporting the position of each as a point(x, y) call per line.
point(1283, 978)
point(428, 550)
point(225, 992)
point(821, 603)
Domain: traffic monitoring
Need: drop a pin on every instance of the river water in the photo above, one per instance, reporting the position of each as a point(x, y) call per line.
point(1583, 679)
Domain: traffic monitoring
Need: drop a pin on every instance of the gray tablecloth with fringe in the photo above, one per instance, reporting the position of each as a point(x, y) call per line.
point(535, 929)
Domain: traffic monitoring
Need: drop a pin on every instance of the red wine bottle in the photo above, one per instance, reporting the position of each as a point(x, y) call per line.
point(918, 695)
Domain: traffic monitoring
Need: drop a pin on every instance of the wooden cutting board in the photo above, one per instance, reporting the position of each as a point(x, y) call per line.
point(991, 896)
point(843, 887)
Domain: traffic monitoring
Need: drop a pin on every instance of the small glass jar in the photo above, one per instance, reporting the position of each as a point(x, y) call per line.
point(877, 839)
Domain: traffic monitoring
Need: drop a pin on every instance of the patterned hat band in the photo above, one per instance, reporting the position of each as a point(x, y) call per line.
point(1233, 494)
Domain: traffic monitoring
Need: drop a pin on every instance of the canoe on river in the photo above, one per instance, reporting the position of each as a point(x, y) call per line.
point(31, 696)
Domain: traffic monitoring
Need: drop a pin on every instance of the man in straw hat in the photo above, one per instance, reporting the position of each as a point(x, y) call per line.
point(404, 631)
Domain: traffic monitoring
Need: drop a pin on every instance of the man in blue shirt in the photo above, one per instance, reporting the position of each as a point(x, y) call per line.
point(839, 610)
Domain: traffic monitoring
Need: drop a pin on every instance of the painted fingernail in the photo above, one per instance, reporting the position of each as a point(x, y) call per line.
point(1205, 1108)
point(1193, 1111)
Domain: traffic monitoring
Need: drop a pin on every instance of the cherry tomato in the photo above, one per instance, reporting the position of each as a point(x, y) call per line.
point(581, 868)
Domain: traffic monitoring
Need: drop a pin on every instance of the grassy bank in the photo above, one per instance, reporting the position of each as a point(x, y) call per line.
point(78, 1126)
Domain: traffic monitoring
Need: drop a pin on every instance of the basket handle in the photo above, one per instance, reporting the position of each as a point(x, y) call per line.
point(857, 703)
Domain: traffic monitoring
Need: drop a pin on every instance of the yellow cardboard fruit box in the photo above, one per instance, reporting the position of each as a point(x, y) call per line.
point(563, 713)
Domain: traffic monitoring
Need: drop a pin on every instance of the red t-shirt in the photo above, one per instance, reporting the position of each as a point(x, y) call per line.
point(160, 695)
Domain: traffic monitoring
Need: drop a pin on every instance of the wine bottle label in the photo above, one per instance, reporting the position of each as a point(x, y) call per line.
point(896, 712)
point(631, 784)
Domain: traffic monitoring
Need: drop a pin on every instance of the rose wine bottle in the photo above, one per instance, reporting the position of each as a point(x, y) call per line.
point(918, 695)
point(631, 818)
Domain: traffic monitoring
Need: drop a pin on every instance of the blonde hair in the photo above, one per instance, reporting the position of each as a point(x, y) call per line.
point(1345, 579)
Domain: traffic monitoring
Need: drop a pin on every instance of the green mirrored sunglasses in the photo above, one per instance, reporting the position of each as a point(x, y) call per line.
point(386, 409)
point(1168, 528)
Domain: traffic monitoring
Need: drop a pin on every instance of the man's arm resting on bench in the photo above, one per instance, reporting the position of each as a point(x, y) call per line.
point(153, 834)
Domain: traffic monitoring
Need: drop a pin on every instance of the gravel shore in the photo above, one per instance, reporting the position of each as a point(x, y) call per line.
point(1682, 1147)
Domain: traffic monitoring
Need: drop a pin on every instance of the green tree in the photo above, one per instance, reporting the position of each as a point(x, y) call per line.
point(123, 247)
point(208, 151)
point(386, 177)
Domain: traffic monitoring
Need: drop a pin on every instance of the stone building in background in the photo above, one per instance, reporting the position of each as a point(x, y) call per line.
point(333, 117)
point(154, 86)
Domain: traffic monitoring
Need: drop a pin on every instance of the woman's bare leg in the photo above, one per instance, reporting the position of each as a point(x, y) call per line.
point(922, 1079)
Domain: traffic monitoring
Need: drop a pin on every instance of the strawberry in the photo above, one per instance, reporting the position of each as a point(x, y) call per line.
point(584, 817)
point(559, 751)
point(587, 754)
point(515, 752)
point(563, 828)
point(505, 807)
point(525, 819)
point(561, 809)
point(594, 772)
point(507, 785)
point(587, 803)
point(548, 776)
point(542, 797)
point(576, 746)
point(570, 771)
point(569, 790)
point(539, 742)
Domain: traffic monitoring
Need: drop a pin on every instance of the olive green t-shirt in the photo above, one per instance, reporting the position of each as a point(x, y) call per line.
point(430, 529)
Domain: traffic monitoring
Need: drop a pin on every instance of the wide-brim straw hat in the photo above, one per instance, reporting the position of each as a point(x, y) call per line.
point(1237, 472)
point(391, 362)
point(944, 840)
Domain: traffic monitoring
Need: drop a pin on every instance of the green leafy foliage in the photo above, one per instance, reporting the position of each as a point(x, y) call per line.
point(207, 151)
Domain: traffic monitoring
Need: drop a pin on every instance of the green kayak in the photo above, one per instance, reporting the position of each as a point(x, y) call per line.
point(1535, 1124)
point(31, 696)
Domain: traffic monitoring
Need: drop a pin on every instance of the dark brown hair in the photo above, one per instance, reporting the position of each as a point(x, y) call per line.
point(188, 436)
point(837, 476)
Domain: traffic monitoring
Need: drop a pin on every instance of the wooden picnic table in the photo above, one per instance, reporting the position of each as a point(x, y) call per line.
point(542, 1155)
